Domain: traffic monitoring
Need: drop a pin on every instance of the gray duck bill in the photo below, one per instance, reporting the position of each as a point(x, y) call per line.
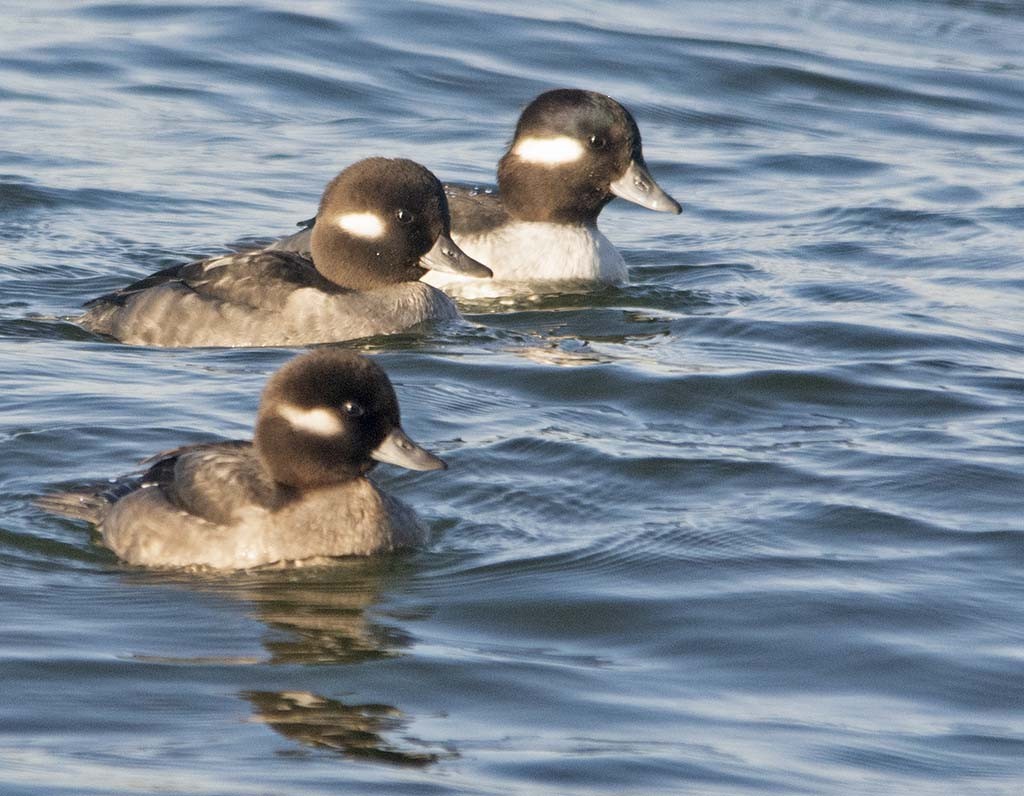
point(446, 256)
point(637, 185)
point(398, 449)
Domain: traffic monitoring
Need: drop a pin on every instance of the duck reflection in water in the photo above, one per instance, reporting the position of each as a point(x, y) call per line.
point(322, 619)
point(322, 616)
point(356, 731)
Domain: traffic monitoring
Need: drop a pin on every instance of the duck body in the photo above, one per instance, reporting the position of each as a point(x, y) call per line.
point(298, 492)
point(385, 223)
point(527, 256)
point(259, 298)
point(214, 506)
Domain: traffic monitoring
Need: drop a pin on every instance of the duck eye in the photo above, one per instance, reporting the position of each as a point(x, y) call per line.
point(352, 409)
point(597, 142)
point(404, 216)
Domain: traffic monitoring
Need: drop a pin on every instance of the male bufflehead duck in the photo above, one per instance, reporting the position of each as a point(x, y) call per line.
point(385, 223)
point(298, 491)
point(572, 153)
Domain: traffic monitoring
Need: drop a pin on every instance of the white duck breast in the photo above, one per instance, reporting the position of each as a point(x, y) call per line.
point(524, 253)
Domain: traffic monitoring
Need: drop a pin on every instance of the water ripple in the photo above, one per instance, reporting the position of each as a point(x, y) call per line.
point(761, 502)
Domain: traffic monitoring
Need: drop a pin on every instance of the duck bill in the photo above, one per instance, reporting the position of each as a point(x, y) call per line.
point(398, 449)
point(637, 185)
point(446, 256)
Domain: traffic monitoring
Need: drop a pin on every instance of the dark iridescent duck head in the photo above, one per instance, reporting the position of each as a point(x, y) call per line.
point(572, 153)
point(383, 221)
point(329, 416)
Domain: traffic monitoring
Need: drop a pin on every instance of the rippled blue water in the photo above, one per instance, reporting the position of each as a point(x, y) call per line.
point(751, 524)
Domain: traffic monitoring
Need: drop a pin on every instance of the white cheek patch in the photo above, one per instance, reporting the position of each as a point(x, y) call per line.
point(549, 151)
point(320, 421)
point(362, 225)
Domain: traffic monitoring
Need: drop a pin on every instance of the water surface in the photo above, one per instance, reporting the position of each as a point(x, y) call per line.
point(752, 524)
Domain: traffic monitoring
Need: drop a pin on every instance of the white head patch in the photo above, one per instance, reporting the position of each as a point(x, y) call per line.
point(318, 420)
point(549, 151)
point(363, 225)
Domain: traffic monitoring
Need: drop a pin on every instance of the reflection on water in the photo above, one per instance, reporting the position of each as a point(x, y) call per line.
point(324, 621)
point(315, 616)
point(325, 625)
point(356, 731)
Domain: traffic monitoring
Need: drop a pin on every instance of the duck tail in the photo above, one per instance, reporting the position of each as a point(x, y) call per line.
point(92, 500)
point(83, 505)
point(89, 502)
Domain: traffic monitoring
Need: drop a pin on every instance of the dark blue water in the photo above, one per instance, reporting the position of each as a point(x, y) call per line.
point(752, 524)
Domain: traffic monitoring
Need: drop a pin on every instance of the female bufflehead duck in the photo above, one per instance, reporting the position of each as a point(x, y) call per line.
point(385, 223)
point(298, 491)
point(572, 153)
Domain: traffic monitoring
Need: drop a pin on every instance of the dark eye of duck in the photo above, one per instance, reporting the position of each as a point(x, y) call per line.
point(597, 141)
point(404, 216)
point(352, 409)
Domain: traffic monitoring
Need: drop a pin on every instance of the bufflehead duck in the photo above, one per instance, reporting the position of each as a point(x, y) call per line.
point(573, 151)
point(385, 223)
point(298, 491)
